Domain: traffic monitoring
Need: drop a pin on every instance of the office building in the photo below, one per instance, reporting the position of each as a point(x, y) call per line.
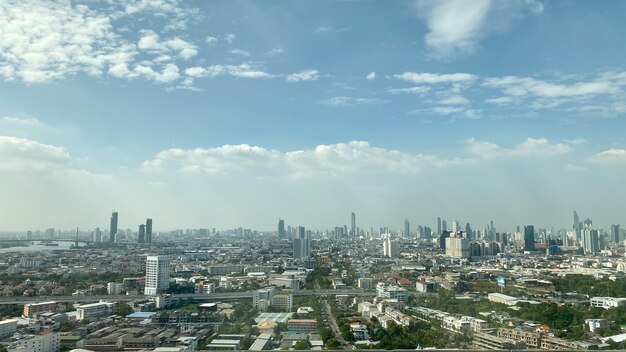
point(438, 226)
point(141, 238)
point(407, 227)
point(148, 230)
point(113, 227)
point(94, 310)
point(390, 247)
point(302, 244)
point(457, 247)
point(590, 240)
point(157, 274)
point(529, 238)
point(281, 229)
point(353, 225)
point(97, 235)
point(615, 234)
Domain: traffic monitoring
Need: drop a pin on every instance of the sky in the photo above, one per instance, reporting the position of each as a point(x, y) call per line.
point(238, 113)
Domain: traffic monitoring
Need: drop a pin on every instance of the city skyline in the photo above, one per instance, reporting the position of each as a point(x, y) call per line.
point(229, 114)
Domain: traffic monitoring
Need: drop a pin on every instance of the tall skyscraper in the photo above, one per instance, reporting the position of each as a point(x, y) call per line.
point(97, 235)
point(113, 227)
point(281, 229)
point(353, 225)
point(444, 226)
point(407, 227)
point(148, 230)
point(615, 233)
point(590, 240)
point(456, 227)
point(157, 274)
point(576, 221)
point(390, 247)
point(438, 226)
point(529, 238)
point(142, 234)
point(302, 244)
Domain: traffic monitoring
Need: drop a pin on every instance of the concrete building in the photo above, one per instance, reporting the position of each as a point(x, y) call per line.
point(8, 328)
point(114, 288)
point(365, 283)
point(32, 309)
point(283, 302)
point(94, 310)
point(390, 247)
point(607, 302)
point(46, 341)
point(303, 325)
point(484, 341)
point(157, 274)
point(391, 291)
point(531, 338)
point(457, 247)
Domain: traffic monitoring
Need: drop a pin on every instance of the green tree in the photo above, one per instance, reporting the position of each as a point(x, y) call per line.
point(122, 309)
point(303, 345)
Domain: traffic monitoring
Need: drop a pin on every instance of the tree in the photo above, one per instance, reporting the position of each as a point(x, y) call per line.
point(303, 345)
point(122, 309)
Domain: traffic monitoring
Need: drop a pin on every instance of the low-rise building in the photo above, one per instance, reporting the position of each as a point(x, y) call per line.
point(46, 341)
point(607, 302)
point(484, 341)
point(303, 325)
point(94, 310)
point(8, 328)
point(32, 309)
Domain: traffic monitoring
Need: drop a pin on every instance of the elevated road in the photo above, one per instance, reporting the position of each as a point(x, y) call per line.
point(197, 297)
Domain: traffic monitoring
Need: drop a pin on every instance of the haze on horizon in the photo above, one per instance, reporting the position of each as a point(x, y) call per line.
point(236, 113)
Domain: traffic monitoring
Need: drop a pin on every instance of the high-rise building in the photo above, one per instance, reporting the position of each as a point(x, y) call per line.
point(141, 238)
point(113, 228)
point(529, 238)
point(457, 247)
point(615, 233)
point(353, 225)
point(281, 229)
point(438, 226)
point(302, 244)
point(576, 221)
point(97, 235)
point(407, 227)
point(148, 230)
point(390, 247)
point(157, 274)
point(444, 226)
point(456, 227)
point(590, 240)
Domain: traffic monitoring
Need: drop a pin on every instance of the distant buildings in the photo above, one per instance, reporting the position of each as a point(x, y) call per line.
point(142, 234)
point(113, 227)
point(157, 274)
point(390, 247)
point(281, 229)
point(407, 227)
point(529, 238)
point(302, 244)
point(148, 230)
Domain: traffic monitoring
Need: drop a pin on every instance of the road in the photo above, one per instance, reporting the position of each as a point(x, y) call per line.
point(334, 327)
point(198, 297)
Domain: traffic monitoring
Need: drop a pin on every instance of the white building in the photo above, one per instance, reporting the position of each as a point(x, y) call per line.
point(457, 247)
point(94, 310)
point(390, 247)
point(46, 341)
point(391, 291)
point(157, 274)
point(597, 324)
point(114, 288)
point(366, 283)
point(8, 328)
point(607, 302)
point(262, 299)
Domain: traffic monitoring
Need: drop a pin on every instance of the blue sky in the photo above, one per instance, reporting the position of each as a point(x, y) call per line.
point(229, 113)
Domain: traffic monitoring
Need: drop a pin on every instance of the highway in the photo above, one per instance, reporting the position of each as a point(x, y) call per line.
point(197, 297)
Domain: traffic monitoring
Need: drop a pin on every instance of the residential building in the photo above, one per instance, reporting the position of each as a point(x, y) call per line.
point(46, 341)
point(94, 310)
point(8, 327)
point(32, 309)
point(303, 325)
point(157, 274)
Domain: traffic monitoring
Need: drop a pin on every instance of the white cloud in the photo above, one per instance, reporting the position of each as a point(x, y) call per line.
point(22, 153)
point(306, 75)
point(574, 168)
point(275, 52)
point(435, 78)
point(530, 147)
point(331, 30)
point(456, 26)
point(21, 120)
point(239, 71)
point(220, 160)
point(614, 156)
point(413, 90)
point(212, 41)
point(240, 52)
point(371, 76)
point(499, 100)
point(230, 38)
point(150, 41)
point(524, 86)
point(349, 101)
point(454, 100)
point(446, 110)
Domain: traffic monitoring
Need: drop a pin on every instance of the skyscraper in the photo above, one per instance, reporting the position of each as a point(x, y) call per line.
point(157, 274)
point(113, 227)
point(353, 225)
point(444, 226)
point(576, 221)
point(281, 229)
point(407, 227)
point(590, 240)
point(438, 226)
point(529, 238)
point(98, 235)
point(390, 247)
point(615, 233)
point(302, 244)
point(142, 234)
point(149, 231)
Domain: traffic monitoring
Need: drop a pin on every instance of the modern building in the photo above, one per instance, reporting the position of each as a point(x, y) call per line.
point(157, 274)
point(148, 230)
point(281, 229)
point(113, 227)
point(45, 341)
point(407, 227)
point(115, 288)
point(141, 238)
point(483, 341)
point(303, 325)
point(392, 292)
point(457, 247)
point(282, 302)
point(262, 299)
point(32, 309)
point(390, 247)
point(8, 328)
point(529, 238)
point(615, 234)
point(94, 310)
point(594, 324)
point(353, 225)
point(365, 283)
point(589, 240)
point(302, 244)
point(607, 302)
